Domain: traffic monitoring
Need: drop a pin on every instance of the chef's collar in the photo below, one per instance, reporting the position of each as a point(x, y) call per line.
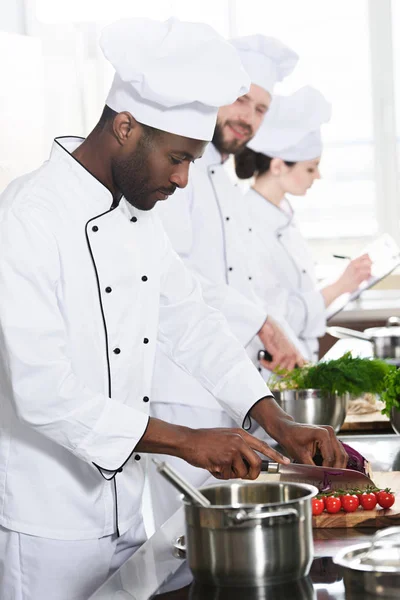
point(61, 152)
point(278, 216)
point(212, 156)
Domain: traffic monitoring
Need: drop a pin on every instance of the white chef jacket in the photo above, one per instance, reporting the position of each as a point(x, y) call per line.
point(85, 291)
point(208, 226)
point(285, 276)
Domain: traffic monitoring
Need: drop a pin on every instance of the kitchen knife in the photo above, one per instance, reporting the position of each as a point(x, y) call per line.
point(322, 477)
point(264, 355)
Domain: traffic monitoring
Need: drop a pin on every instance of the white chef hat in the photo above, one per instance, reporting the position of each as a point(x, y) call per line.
point(265, 59)
point(172, 75)
point(291, 129)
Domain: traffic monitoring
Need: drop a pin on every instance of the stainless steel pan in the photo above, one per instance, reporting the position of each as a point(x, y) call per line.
point(385, 340)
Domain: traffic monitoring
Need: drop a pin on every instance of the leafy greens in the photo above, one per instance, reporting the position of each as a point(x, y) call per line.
point(355, 376)
point(391, 395)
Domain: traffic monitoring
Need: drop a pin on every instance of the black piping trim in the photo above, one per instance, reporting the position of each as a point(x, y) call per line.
point(100, 300)
point(77, 137)
point(116, 507)
point(247, 422)
point(106, 341)
point(119, 470)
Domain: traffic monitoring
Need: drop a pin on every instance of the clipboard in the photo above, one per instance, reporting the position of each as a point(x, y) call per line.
point(385, 256)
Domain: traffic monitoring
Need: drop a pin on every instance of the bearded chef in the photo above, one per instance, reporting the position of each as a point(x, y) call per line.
point(208, 227)
point(88, 284)
point(284, 159)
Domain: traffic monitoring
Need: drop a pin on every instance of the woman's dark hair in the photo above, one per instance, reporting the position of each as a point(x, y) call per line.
point(249, 163)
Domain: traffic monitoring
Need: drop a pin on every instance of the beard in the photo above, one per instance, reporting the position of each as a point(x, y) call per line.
point(225, 146)
point(132, 177)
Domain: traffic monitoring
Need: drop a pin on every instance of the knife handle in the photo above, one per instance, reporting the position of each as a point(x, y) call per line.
point(269, 467)
point(264, 355)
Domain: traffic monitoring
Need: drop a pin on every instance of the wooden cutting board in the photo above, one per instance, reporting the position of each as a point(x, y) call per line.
point(377, 518)
point(368, 422)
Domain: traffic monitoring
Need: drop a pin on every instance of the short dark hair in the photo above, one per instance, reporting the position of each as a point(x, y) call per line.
point(106, 117)
point(249, 163)
point(109, 115)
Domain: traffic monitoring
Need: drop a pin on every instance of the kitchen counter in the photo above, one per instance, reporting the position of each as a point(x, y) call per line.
point(154, 572)
point(372, 305)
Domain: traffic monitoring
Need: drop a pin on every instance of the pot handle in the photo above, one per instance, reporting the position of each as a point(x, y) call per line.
point(380, 535)
point(345, 333)
point(242, 516)
point(384, 533)
point(179, 547)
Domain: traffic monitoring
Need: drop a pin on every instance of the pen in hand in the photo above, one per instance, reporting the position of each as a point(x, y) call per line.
point(340, 256)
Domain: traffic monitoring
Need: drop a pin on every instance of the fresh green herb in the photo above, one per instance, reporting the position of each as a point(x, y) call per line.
point(355, 376)
point(391, 395)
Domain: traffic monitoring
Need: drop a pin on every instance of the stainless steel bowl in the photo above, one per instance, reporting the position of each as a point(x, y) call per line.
point(395, 420)
point(314, 406)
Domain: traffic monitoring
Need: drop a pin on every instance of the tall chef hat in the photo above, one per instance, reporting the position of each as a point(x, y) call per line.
point(291, 129)
point(265, 59)
point(172, 75)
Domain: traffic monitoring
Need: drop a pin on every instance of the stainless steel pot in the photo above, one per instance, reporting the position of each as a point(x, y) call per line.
point(373, 567)
point(385, 340)
point(253, 534)
point(314, 406)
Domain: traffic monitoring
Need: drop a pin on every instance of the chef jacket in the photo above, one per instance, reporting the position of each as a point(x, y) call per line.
point(286, 277)
point(208, 226)
point(86, 289)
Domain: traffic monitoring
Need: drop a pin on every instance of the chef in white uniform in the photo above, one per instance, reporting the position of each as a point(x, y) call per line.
point(284, 157)
point(208, 228)
point(88, 284)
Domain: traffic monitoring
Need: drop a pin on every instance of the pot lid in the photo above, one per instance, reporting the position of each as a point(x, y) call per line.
point(381, 554)
point(392, 329)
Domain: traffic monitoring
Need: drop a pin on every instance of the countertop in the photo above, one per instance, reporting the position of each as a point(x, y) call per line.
point(154, 572)
point(372, 305)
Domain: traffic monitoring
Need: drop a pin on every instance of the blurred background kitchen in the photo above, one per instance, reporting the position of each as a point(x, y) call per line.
point(54, 80)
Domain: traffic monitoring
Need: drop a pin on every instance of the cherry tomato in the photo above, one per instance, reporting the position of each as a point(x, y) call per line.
point(350, 502)
point(332, 504)
point(368, 500)
point(318, 506)
point(385, 498)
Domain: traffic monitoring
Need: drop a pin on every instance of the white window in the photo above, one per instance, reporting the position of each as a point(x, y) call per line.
point(332, 41)
point(345, 50)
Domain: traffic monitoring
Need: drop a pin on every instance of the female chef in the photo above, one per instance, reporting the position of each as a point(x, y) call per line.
point(284, 157)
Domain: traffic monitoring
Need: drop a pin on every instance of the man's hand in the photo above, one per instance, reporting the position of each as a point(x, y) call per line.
point(300, 441)
point(284, 354)
point(227, 453)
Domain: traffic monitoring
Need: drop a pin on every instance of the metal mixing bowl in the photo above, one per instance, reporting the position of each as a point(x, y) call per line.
point(314, 406)
point(395, 420)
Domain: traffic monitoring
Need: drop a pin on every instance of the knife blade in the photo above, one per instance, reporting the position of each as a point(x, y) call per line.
point(321, 477)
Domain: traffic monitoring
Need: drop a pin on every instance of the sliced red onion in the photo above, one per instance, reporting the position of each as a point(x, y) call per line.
point(356, 461)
